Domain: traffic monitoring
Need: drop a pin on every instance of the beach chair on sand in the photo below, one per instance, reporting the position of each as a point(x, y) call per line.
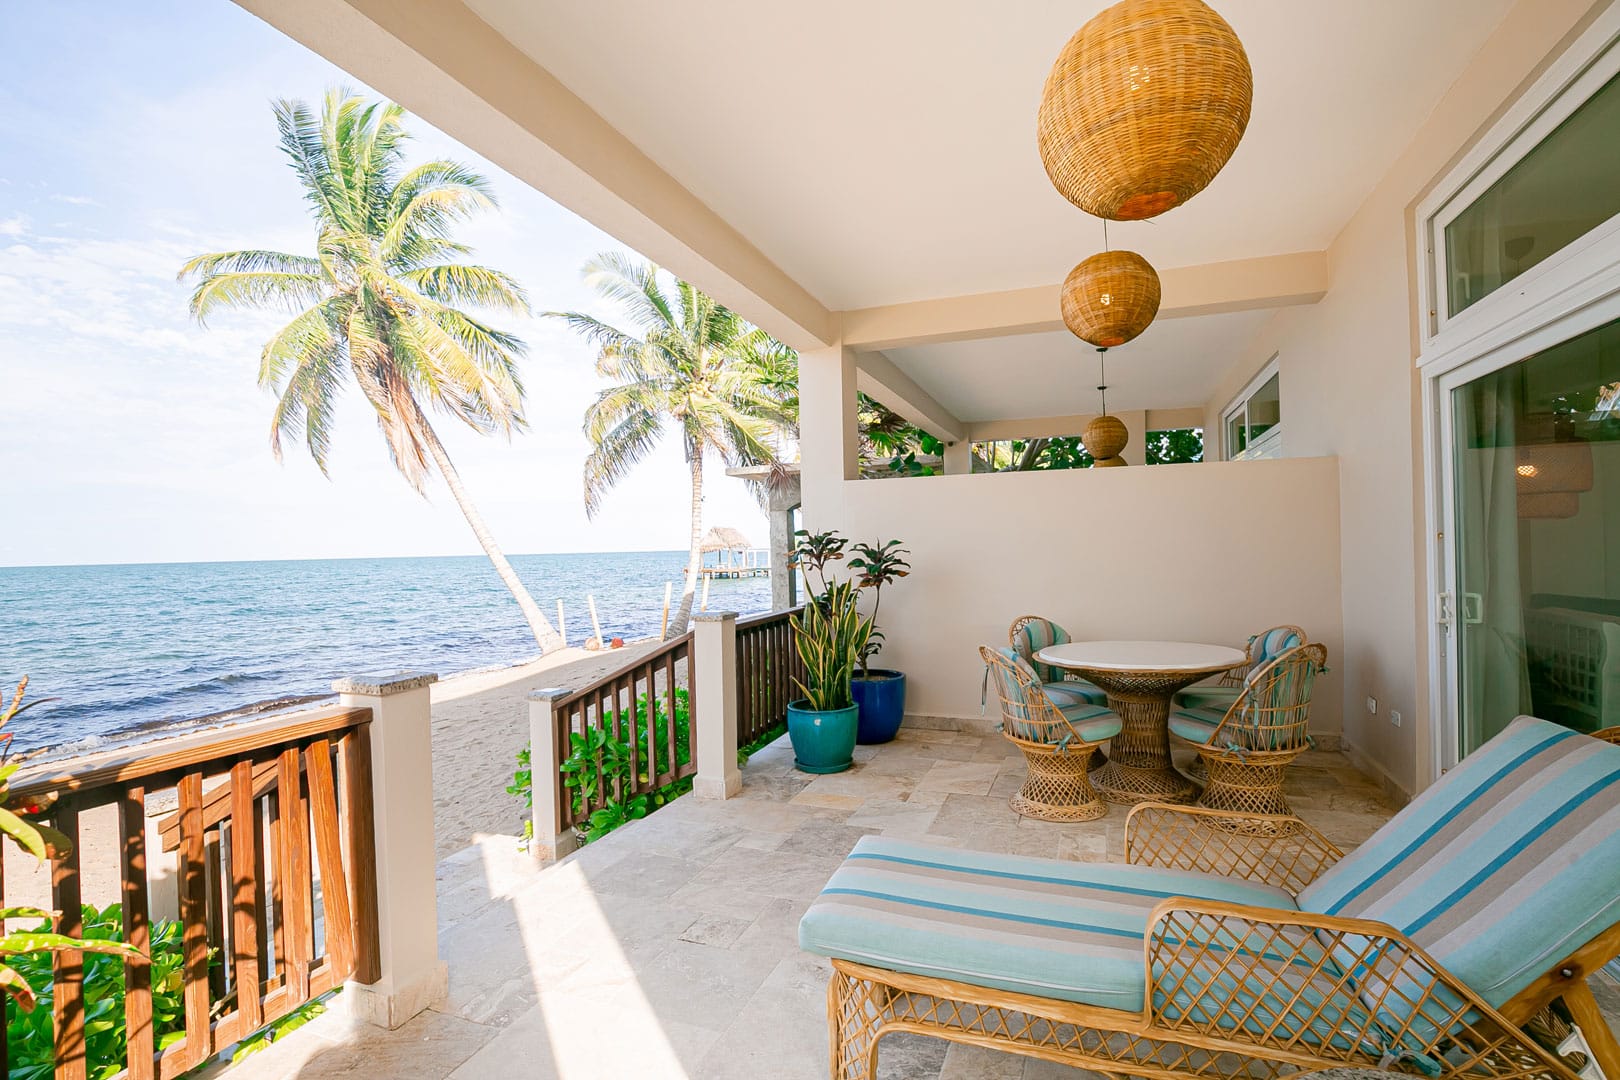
point(1223, 950)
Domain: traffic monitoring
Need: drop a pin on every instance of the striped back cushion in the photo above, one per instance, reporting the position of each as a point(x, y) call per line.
point(1266, 647)
point(1503, 868)
point(1032, 637)
point(1016, 698)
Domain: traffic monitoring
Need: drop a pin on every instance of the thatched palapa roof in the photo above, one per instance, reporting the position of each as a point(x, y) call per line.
point(725, 538)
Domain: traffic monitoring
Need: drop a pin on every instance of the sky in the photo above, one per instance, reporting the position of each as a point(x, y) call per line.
point(134, 136)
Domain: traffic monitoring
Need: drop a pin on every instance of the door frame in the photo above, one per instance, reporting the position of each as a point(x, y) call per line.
point(1572, 291)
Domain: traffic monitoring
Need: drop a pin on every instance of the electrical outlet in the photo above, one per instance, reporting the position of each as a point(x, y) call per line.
point(1372, 705)
point(1395, 717)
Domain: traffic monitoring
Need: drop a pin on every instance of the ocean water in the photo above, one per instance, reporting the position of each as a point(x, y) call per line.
point(130, 648)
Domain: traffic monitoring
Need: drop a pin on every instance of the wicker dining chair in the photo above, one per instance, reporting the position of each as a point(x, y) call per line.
point(1608, 735)
point(1246, 747)
point(1057, 743)
point(1262, 648)
point(1028, 635)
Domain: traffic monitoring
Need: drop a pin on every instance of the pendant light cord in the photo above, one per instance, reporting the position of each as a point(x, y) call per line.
point(1102, 377)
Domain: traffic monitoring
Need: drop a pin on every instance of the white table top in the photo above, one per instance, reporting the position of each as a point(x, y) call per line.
point(1142, 656)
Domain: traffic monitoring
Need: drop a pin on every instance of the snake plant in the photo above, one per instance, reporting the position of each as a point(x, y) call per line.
point(831, 636)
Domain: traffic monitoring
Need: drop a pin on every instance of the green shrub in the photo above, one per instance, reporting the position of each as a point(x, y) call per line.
point(29, 1038)
point(599, 763)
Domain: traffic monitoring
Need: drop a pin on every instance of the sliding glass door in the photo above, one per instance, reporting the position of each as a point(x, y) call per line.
point(1535, 497)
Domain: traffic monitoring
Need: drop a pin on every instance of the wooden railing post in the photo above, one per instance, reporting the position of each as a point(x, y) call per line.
point(411, 975)
point(714, 705)
point(552, 838)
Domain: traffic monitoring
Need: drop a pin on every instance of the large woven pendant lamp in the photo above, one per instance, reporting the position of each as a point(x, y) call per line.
point(1105, 437)
point(1110, 298)
point(1143, 107)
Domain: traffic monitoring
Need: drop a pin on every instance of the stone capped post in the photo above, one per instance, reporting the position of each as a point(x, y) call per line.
point(714, 712)
point(412, 975)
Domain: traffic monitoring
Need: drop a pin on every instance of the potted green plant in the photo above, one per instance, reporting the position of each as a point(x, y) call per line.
point(880, 693)
point(830, 635)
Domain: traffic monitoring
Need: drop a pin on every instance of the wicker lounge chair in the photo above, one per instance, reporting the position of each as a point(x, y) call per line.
point(1246, 746)
point(1263, 648)
point(1057, 742)
point(1221, 951)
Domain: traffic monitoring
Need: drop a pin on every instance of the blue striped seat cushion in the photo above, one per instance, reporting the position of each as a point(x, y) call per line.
point(1195, 725)
point(1503, 868)
point(1052, 928)
point(1208, 697)
point(1074, 692)
point(1093, 723)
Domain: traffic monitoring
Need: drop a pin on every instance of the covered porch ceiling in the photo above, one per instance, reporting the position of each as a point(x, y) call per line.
point(867, 173)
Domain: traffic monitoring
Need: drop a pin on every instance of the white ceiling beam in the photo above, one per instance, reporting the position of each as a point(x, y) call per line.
point(1056, 427)
point(1241, 285)
point(879, 377)
point(443, 63)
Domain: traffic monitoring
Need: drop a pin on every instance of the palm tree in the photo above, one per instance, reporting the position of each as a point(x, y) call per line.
point(380, 301)
point(696, 364)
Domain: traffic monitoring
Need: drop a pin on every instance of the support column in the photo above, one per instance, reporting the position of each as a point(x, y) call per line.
point(959, 458)
point(784, 495)
point(714, 719)
point(829, 447)
point(413, 977)
point(552, 839)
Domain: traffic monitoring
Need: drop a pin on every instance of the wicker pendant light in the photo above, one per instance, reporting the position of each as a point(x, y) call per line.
point(1105, 437)
point(1143, 107)
point(1110, 298)
point(1549, 504)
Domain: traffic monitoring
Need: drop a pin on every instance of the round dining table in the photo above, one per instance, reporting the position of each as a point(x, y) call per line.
point(1140, 679)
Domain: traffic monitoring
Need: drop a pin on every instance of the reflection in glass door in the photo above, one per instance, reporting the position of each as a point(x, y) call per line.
point(1537, 502)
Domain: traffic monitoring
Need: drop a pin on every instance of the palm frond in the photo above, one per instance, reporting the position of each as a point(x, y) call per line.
point(259, 289)
point(479, 286)
point(631, 283)
point(616, 451)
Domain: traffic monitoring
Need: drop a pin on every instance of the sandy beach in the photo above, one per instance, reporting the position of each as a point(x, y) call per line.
point(480, 722)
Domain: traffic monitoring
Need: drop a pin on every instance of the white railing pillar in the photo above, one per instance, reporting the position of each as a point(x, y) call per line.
point(552, 840)
point(714, 714)
point(413, 977)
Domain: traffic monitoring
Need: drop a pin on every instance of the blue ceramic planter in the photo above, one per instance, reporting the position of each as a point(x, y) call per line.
point(881, 698)
point(823, 742)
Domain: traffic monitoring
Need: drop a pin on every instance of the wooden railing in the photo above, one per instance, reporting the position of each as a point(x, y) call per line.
point(276, 873)
point(767, 665)
point(657, 737)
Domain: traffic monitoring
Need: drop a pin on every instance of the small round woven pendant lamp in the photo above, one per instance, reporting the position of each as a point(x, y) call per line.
point(1110, 298)
point(1104, 438)
point(1143, 107)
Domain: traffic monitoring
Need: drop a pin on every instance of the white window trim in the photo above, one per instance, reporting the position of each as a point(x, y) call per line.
point(1574, 290)
point(1268, 445)
point(1568, 279)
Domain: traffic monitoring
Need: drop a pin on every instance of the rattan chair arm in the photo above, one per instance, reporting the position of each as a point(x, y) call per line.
point(1278, 850)
point(1233, 676)
point(1283, 979)
point(1608, 735)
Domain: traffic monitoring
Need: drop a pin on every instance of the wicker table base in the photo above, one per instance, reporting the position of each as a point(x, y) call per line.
point(1139, 768)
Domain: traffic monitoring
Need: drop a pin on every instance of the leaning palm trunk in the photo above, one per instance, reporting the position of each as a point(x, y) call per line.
point(544, 634)
point(694, 554)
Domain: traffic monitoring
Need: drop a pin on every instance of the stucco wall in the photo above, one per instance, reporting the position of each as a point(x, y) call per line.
point(1350, 388)
point(1191, 552)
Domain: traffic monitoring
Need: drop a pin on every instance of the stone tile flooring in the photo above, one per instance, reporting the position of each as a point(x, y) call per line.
point(669, 948)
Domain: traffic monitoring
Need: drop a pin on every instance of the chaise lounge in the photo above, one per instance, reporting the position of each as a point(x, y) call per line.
point(1223, 950)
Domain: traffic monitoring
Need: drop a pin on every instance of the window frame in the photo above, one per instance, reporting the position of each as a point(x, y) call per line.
point(1268, 445)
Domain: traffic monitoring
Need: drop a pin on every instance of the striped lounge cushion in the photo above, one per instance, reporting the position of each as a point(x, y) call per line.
point(1504, 867)
point(1047, 927)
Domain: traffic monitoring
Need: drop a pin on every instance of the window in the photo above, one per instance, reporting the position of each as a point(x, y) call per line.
point(1253, 422)
point(1557, 192)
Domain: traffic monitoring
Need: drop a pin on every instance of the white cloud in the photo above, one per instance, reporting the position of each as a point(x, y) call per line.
point(74, 200)
point(16, 225)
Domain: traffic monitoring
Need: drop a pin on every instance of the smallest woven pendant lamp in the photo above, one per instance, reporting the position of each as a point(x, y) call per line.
point(1104, 439)
point(1110, 298)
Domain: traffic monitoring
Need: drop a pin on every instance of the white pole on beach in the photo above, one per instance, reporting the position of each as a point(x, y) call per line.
point(590, 599)
point(562, 627)
point(663, 631)
point(706, 582)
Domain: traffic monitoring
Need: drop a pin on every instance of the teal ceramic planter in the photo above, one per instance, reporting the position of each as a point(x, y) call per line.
point(823, 742)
